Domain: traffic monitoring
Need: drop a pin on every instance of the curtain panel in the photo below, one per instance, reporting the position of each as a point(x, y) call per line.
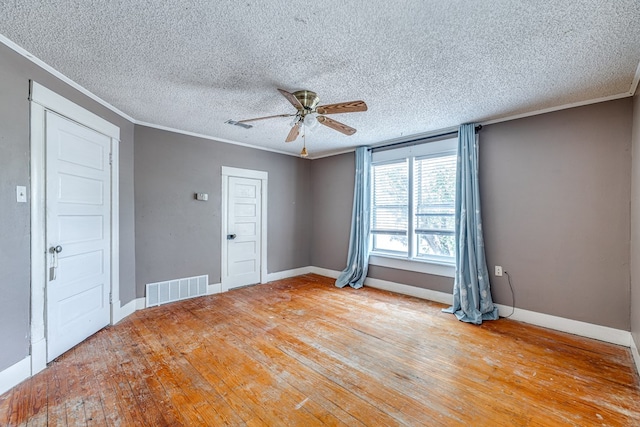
point(358, 258)
point(471, 290)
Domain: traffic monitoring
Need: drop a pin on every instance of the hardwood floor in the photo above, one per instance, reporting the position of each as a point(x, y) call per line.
point(300, 352)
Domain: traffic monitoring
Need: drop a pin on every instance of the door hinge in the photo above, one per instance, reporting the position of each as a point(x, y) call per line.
point(110, 298)
point(110, 158)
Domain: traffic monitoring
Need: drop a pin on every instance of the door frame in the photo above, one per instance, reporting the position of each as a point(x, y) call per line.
point(264, 178)
point(43, 100)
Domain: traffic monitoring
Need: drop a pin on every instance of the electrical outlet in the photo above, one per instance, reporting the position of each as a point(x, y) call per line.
point(498, 271)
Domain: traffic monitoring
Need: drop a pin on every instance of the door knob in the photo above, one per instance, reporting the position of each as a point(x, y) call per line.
point(54, 251)
point(231, 236)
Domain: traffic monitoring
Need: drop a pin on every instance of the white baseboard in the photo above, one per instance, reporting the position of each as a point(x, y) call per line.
point(635, 354)
point(288, 273)
point(399, 288)
point(15, 374)
point(428, 294)
point(589, 330)
point(126, 310)
point(141, 303)
point(214, 288)
point(576, 327)
point(324, 272)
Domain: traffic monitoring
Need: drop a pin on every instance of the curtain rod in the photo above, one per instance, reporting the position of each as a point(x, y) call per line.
point(418, 140)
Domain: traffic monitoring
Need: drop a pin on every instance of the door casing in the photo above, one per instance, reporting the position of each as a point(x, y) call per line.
point(41, 100)
point(243, 173)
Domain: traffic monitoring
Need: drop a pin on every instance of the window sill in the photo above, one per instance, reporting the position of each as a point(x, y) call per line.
point(446, 270)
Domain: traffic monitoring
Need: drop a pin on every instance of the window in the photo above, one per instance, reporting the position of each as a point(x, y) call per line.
point(413, 202)
point(434, 207)
point(390, 207)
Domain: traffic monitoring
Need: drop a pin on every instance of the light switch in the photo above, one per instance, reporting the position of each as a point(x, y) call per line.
point(202, 197)
point(21, 194)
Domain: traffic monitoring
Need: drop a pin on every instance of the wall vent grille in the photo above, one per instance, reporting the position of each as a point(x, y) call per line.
point(175, 290)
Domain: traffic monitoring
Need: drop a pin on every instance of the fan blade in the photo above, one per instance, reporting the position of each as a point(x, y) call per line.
point(293, 133)
point(292, 99)
point(340, 127)
point(266, 117)
point(342, 107)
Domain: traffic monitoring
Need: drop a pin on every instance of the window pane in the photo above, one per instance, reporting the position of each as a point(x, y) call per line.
point(390, 243)
point(439, 219)
point(436, 245)
point(434, 188)
point(390, 197)
point(390, 211)
point(435, 179)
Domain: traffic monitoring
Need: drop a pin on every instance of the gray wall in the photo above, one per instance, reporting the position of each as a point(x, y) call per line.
point(635, 224)
point(177, 236)
point(15, 73)
point(332, 181)
point(555, 199)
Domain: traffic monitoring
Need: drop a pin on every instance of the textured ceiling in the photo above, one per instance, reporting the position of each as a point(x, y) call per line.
point(420, 65)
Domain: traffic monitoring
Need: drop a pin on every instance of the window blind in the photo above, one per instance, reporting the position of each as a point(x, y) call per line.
point(390, 198)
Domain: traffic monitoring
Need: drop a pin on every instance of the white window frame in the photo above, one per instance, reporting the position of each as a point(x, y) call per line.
point(411, 262)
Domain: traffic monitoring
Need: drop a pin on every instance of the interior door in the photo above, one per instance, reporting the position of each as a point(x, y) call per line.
point(78, 221)
point(243, 261)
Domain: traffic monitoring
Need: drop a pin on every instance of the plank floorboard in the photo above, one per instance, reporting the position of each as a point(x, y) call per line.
point(300, 352)
point(56, 409)
point(189, 390)
point(111, 385)
point(312, 388)
point(18, 407)
point(37, 402)
point(302, 383)
point(5, 404)
point(316, 349)
point(149, 395)
point(237, 368)
point(186, 387)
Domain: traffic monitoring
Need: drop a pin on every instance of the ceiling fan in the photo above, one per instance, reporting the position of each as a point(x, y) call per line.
point(309, 113)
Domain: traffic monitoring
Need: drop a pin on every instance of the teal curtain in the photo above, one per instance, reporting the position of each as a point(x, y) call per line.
point(471, 290)
point(358, 258)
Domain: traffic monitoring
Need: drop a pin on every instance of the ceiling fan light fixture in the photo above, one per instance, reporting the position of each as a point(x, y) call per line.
point(311, 121)
point(295, 121)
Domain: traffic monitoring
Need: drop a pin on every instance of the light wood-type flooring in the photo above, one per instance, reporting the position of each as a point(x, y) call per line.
point(300, 352)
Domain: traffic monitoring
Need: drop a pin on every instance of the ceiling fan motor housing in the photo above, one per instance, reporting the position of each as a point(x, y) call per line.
point(308, 99)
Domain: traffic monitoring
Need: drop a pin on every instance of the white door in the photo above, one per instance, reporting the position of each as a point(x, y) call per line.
point(78, 221)
point(243, 234)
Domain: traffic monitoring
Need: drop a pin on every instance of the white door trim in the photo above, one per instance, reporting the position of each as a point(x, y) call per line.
point(43, 99)
point(253, 174)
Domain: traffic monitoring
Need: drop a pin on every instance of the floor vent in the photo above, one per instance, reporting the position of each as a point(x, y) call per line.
point(175, 290)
